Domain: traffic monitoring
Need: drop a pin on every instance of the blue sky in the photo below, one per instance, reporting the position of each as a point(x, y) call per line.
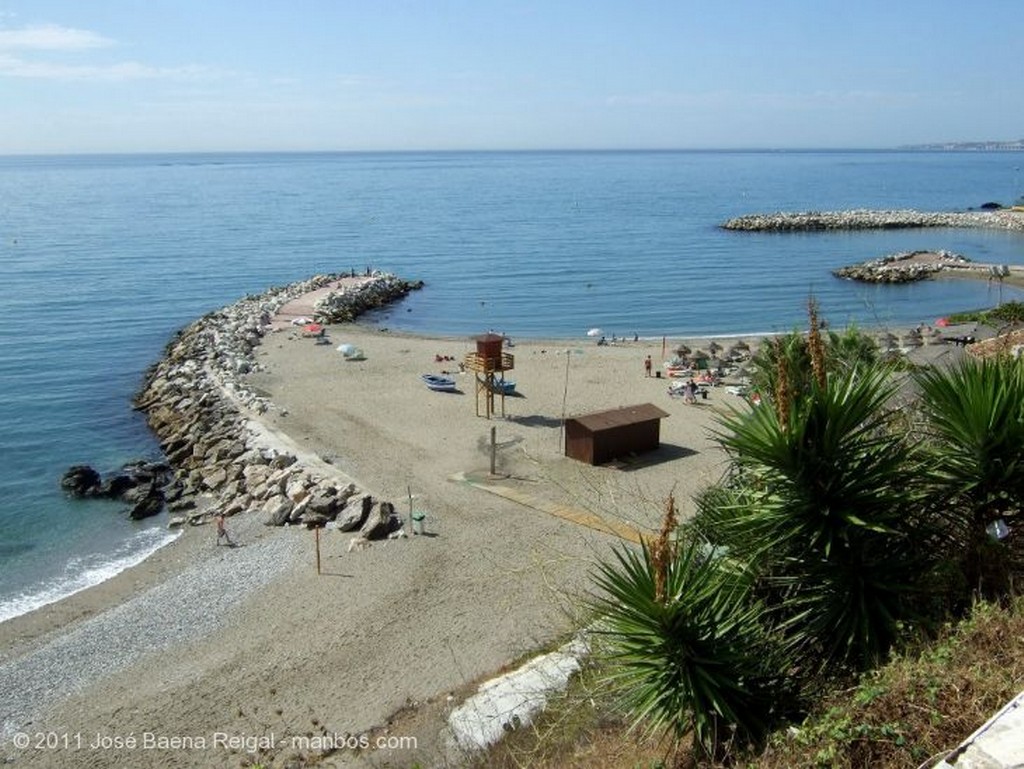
point(194, 75)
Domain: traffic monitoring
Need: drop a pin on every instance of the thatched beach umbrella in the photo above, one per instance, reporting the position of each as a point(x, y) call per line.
point(742, 345)
point(911, 340)
point(714, 347)
point(886, 340)
point(700, 356)
point(682, 351)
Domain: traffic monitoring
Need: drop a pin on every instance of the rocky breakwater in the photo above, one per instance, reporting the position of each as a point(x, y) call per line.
point(904, 267)
point(225, 460)
point(864, 219)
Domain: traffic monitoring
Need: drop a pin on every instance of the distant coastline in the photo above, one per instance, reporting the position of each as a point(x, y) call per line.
point(1016, 145)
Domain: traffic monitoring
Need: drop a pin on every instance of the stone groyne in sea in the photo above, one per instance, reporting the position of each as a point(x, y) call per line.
point(865, 219)
point(906, 267)
point(204, 414)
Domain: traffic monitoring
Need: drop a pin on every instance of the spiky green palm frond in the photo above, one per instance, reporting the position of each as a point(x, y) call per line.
point(698, 659)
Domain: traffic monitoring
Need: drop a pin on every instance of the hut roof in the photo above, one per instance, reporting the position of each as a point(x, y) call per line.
point(627, 415)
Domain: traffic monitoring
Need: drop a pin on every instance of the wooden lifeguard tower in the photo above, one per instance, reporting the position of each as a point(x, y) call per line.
point(489, 363)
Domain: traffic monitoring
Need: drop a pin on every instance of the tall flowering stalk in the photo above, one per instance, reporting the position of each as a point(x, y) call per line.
point(782, 389)
point(815, 344)
point(661, 550)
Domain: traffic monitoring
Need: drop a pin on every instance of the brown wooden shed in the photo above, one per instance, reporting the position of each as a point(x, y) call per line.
point(606, 435)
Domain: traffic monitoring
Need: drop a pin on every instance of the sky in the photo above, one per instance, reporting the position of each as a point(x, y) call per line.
point(80, 76)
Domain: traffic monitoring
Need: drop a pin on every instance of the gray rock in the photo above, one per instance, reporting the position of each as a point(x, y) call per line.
point(151, 505)
point(355, 515)
point(381, 522)
point(80, 481)
point(277, 510)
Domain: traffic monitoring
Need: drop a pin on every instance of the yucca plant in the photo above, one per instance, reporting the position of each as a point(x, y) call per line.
point(974, 421)
point(850, 349)
point(787, 352)
point(687, 648)
point(825, 514)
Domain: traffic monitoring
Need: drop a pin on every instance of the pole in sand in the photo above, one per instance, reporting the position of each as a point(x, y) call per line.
point(317, 536)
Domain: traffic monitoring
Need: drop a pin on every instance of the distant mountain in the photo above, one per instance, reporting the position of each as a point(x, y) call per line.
point(969, 146)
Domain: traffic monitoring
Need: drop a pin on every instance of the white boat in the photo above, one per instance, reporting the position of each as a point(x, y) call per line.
point(439, 383)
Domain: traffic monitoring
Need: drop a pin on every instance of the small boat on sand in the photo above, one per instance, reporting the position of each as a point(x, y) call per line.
point(439, 383)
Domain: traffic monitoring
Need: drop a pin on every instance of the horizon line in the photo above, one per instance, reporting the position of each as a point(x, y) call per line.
point(931, 147)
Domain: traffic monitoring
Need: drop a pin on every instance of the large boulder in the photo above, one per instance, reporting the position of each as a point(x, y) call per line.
point(117, 487)
point(81, 481)
point(381, 522)
point(355, 514)
point(149, 506)
point(277, 510)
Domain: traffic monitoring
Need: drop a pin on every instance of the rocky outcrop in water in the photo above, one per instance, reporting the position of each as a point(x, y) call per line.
point(142, 485)
point(347, 304)
point(904, 267)
point(863, 219)
point(198, 404)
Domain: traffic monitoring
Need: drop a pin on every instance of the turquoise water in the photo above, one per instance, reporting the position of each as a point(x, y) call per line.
point(103, 258)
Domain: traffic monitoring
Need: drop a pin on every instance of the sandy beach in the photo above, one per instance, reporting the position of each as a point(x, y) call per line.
point(217, 656)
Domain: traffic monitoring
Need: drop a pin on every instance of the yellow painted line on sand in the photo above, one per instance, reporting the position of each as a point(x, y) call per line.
point(571, 514)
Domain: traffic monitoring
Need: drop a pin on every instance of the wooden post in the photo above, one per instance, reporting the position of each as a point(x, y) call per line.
point(317, 530)
point(494, 448)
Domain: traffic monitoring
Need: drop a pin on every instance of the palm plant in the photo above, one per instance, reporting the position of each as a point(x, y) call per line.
point(788, 353)
point(824, 511)
point(688, 648)
point(850, 348)
point(974, 414)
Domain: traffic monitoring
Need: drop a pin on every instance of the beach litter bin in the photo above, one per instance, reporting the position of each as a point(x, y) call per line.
point(417, 521)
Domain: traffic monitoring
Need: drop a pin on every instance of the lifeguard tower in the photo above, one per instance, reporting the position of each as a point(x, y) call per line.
point(489, 363)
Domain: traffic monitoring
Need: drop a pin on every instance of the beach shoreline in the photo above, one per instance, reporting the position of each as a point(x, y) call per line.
point(400, 626)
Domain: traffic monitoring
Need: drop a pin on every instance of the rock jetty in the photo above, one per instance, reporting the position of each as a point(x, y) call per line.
point(198, 404)
point(864, 219)
point(905, 267)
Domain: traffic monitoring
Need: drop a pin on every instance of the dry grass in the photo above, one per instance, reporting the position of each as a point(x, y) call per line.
point(578, 730)
point(918, 707)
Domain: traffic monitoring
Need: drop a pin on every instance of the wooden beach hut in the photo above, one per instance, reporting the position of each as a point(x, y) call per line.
point(602, 436)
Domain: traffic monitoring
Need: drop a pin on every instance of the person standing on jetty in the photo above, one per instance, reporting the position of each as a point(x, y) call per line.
point(222, 531)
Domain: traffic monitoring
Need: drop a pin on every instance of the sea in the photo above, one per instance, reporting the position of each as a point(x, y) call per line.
point(104, 257)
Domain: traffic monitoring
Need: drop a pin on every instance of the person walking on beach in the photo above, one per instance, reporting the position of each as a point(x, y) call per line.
point(647, 365)
point(222, 531)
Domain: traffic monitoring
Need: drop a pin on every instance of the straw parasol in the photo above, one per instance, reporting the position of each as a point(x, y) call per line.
point(682, 350)
point(714, 347)
point(911, 340)
point(886, 340)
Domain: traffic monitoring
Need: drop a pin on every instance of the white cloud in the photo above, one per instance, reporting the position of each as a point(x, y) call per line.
point(50, 37)
point(122, 71)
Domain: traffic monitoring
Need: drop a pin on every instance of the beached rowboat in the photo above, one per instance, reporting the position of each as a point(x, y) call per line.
point(438, 383)
point(505, 386)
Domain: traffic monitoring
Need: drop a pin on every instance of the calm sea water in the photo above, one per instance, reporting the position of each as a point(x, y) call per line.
point(103, 258)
